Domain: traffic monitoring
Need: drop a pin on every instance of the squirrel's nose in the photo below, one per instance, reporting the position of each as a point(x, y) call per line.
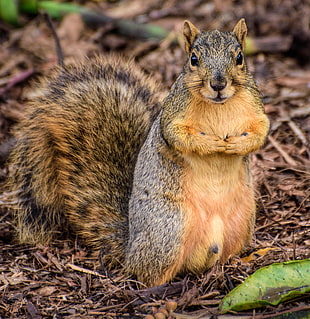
point(218, 86)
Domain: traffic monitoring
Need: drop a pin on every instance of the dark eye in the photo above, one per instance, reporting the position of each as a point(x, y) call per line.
point(239, 59)
point(194, 60)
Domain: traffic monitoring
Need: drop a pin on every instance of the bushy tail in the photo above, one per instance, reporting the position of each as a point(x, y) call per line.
point(75, 152)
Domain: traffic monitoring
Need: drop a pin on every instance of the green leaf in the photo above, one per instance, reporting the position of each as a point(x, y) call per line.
point(28, 6)
point(9, 11)
point(270, 285)
point(59, 9)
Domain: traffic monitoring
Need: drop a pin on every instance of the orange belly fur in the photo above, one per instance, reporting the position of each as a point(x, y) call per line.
point(219, 208)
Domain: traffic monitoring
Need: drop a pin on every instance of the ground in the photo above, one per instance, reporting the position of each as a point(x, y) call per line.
point(64, 279)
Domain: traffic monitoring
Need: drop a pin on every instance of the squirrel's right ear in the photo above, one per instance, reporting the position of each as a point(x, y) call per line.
point(241, 30)
point(190, 33)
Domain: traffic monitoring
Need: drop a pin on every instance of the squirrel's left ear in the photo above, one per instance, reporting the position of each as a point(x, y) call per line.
point(190, 33)
point(241, 30)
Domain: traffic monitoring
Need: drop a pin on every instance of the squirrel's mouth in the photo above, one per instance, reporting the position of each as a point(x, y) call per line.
point(219, 98)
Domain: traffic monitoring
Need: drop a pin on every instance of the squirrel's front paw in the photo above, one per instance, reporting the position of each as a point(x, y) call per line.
point(212, 144)
point(237, 145)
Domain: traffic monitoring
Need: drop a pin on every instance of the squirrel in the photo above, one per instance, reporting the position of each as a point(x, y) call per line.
point(157, 188)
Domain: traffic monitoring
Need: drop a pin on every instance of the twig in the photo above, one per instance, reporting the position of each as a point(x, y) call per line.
point(303, 111)
point(287, 157)
point(86, 271)
point(60, 55)
point(203, 316)
point(298, 132)
point(22, 76)
point(162, 291)
point(100, 311)
point(294, 245)
point(55, 261)
point(33, 311)
point(289, 311)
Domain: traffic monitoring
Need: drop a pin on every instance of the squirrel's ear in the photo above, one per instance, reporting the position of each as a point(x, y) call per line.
point(241, 30)
point(190, 32)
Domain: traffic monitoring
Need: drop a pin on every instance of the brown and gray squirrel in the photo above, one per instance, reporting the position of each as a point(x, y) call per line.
point(158, 188)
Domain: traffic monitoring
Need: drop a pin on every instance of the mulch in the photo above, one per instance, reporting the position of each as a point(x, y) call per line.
point(64, 279)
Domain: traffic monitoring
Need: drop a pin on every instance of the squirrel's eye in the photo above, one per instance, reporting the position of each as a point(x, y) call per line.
point(239, 59)
point(194, 60)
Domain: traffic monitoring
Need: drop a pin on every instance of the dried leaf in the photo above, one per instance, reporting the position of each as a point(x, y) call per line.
point(259, 253)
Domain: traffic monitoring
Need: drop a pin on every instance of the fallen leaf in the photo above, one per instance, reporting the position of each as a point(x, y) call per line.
point(258, 253)
point(269, 285)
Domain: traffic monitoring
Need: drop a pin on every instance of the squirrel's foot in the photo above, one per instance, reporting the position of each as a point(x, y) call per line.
point(238, 145)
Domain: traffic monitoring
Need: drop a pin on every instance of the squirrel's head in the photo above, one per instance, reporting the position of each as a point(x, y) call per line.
point(216, 68)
